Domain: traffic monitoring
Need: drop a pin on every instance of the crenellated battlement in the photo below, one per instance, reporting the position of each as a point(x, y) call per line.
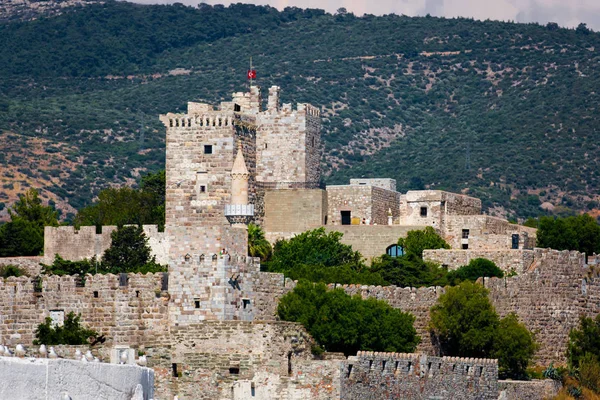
point(417, 376)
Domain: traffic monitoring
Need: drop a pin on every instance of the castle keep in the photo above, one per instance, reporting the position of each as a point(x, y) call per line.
point(209, 327)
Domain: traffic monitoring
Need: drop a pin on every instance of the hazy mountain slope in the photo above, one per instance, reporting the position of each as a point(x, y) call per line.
point(508, 111)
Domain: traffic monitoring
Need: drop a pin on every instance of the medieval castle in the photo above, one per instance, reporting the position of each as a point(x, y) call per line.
point(208, 326)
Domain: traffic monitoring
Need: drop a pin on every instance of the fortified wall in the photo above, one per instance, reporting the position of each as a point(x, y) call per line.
point(372, 375)
point(77, 244)
point(509, 261)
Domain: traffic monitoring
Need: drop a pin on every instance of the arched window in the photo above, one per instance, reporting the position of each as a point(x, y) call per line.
point(394, 251)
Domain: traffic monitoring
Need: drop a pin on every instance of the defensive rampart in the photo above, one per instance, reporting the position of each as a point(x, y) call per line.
point(417, 376)
point(77, 244)
point(31, 265)
point(129, 309)
point(510, 261)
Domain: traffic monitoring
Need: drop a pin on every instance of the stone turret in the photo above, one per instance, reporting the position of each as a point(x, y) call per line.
point(239, 213)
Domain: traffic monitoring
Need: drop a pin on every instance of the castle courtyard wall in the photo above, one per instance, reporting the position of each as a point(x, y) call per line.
point(509, 261)
point(77, 244)
point(372, 375)
point(31, 265)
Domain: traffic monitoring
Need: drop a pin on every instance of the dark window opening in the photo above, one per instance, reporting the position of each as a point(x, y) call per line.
point(202, 188)
point(515, 241)
point(95, 294)
point(370, 364)
point(409, 366)
point(394, 251)
point(208, 149)
point(236, 107)
point(196, 303)
point(234, 370)
point(349, 370)
point(164, 285)
point(246, 303)
point(465, 246)
point(423, 211)
point(266, 145)
point(383, 365)
point(252, 390)
point(137, 293)
point(346, 217)
point(174, 366)
point(465, 233)
point(289, 357)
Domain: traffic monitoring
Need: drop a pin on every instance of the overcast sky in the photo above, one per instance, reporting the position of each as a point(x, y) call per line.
point(565, 12)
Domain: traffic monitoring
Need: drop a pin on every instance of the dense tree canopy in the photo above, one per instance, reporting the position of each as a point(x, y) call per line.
point(24, 234)
point(581, 233)
point(341, 323)
point(418, 240)
point(125, 205)
point(464, 323)
point(477, 268)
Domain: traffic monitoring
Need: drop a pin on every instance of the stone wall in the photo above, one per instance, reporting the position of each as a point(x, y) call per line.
point(77, 244)
point(549, 298)
point(417, 376)
point(384, 183)
point(31, 265)
point(133, 314)
point(486, 232)
point(370, 240)
point(507, 260)
point(530, 390)
point(369, 202)
point(430, 207)
point(37, 379)
point(211, 357)
point(288, 142)
point(292, 211)
point(212, 287)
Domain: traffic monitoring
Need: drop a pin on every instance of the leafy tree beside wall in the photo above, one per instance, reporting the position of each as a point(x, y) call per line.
point(465, 324)
point(24, 234)
point(129, 252)
point(70, 333)
point(343, 323)
point(418, 240)
point(581, 233)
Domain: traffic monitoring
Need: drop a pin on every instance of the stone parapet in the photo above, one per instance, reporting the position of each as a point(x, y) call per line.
point(509, 261)
point(372, 375)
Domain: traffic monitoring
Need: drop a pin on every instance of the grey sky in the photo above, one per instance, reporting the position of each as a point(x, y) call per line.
point(565, 12)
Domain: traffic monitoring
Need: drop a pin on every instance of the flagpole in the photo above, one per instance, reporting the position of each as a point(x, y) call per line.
point(250, 72)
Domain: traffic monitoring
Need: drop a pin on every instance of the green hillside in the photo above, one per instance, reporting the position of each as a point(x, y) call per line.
point(506, 112)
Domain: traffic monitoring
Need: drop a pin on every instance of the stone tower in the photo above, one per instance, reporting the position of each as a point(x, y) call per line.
point(288, 145)
point(219, 163)
point(200, 152)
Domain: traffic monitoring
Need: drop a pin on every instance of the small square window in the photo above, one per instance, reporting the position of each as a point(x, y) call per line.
point(202, 188)
point(465, 233)
point(208, 149)
point(246, 303)
point(423, 211)
point(465, 246)
point(196, 303)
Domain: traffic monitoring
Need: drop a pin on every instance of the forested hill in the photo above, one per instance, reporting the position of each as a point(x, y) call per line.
point(506, 112)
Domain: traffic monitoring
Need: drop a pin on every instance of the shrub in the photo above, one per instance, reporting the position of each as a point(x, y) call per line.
point(71, 332)
point(341, 323)
point(11, 270)
point(476, 269)
point(465, 324)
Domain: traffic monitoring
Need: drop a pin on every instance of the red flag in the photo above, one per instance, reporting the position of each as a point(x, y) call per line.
point(251, 74)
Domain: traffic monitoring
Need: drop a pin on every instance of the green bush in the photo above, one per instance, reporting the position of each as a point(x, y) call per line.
point(71, 332)
point(409, 271)
point(11, 270)
point(465, 324)
point(343, 323)
point(418, 240)
point(585, 339)
point(477, 268)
